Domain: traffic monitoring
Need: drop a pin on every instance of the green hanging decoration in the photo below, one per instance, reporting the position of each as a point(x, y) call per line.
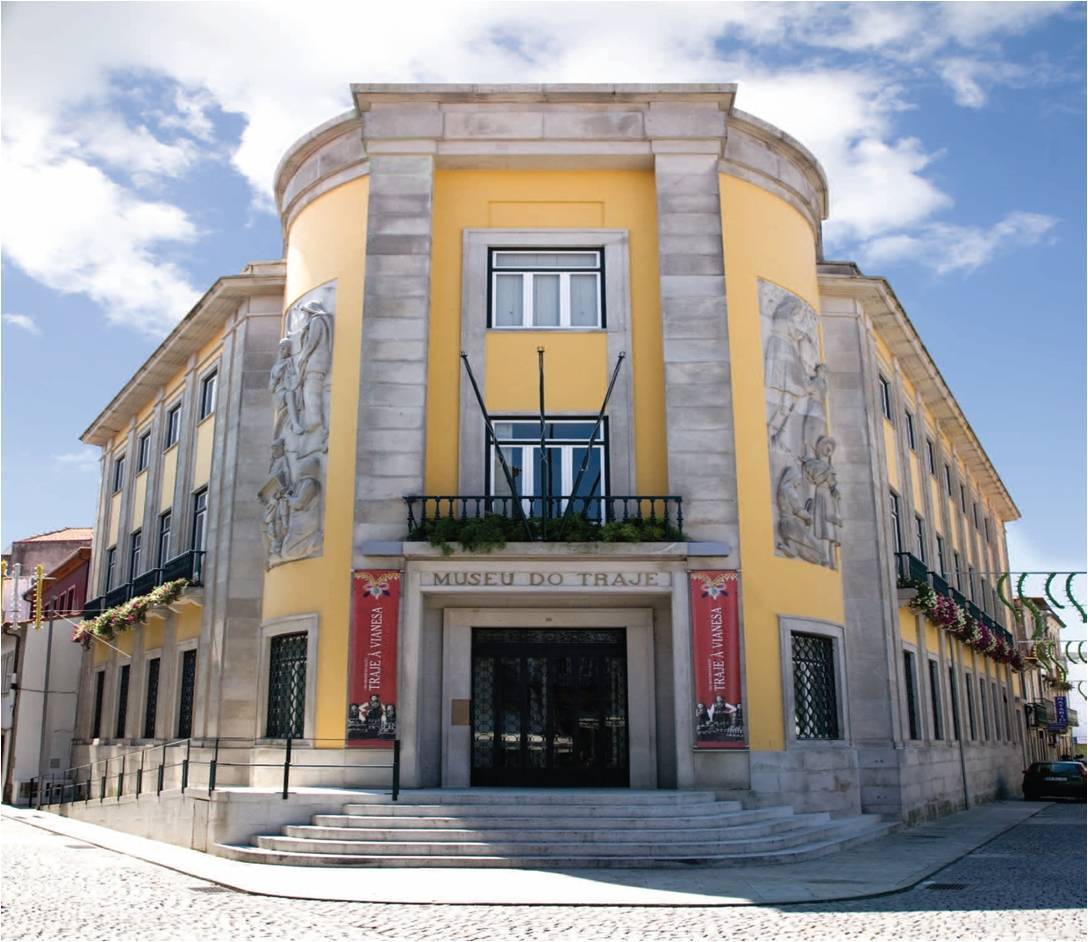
point(1049, 595)
point(1073, 601)
point(1002, 581)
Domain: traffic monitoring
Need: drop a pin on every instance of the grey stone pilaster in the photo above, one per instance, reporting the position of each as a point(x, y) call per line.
point(154, 486)
point(124, 520)
point(698, 393)
point(101, 540)
point(390, 445)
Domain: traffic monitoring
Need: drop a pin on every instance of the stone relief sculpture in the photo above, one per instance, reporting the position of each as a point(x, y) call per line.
point(300, 382)
point(807, 506)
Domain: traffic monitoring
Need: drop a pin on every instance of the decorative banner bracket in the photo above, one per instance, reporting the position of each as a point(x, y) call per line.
point(715, 625)
point(372, 690)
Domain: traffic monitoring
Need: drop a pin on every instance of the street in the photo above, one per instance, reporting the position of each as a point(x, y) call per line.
point(1028, 883)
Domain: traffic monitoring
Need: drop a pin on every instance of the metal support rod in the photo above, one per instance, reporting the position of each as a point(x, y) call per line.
point(121, 778)
point(396, 769)
point(212, 768)
point(185, 766)
point(493, 440)
point(545, 463)
point(162, 770)
point(593, 435)
point(286, 768)
point(102, 784)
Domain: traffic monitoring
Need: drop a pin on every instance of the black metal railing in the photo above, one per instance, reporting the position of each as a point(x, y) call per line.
point(93, 607)
point(200, 763)
point(910, 569)
point(143, 584)
point(117, 596)
point(189, 565)
point(939, 583)
point(622, 518)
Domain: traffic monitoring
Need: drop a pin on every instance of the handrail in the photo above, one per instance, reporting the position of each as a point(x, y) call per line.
point(46, 792)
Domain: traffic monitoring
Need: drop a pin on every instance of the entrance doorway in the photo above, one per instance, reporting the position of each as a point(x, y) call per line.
point(549, 707)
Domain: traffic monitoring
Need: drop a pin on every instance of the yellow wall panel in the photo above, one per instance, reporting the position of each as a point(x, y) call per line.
point(188, 622)
point(884, 353)
point(115, 517)
point(916, 484)
point(100, 654)
point(765, 239)
point(576, 371)
point(202, 453)
point(154, 633)
point(327, 241)
point(907, 625)
point(933, 637)
point(891, 455)
point(169, 477)
point(139, 494)
point(541, 214)
point(910, 394)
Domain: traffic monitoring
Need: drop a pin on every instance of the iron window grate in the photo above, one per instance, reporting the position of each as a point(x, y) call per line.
point(816, 711)
point(99, 692)
point(122, 701)
point(287, 686)
point(185, 699)
point(152, 704)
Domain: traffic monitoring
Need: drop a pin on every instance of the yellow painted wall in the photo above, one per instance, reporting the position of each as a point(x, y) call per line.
point(154, 633)
point(884, 354)
point(188, 622)
point(910, 394)
point(891, 455)
point(907, 630)
point(138, 495)
point(934, 499)
point(202, 453)
point(125, 641)
point(169, 477)
point(100, 654)
point(327, 241)
point(480, 199)
point(115, 518)
point(916, 484)
point(933, 638)
point(766, 239)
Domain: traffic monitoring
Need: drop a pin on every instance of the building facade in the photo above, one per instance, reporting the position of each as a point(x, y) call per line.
point(556, 450)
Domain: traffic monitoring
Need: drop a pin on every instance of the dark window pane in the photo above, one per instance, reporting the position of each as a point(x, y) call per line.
point(912, 700)
point(287, 686)
point(122, 701)
point(151, 705)
point(186, 693)
point(99, 692)
point(816, 712)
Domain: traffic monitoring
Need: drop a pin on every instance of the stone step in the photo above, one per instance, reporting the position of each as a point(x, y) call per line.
point(834, 836)
point(523, 847)
point(589, 835)
point(516, 819)
point(616, 808)
point(537, 796)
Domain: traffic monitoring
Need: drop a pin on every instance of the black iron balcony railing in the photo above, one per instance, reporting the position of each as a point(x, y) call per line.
point(93, 607)
point(117, 596)
point(618, 518)
point(188, 565)
point(151, 579)
point(909, 568)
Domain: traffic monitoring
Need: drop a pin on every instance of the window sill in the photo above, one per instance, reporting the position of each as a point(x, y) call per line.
point(169, 447)
point(548, 330)
point(210, 415)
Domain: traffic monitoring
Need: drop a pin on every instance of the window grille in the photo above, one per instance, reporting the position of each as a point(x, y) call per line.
point(816, 710)
point(935, 699)
point(982, 708)
point(969, 696)
point(99, 693)
point(287, 686)
point(122, 701)
point(185, 695)
point(151, 704)
point(912, 701)
point(954, 694)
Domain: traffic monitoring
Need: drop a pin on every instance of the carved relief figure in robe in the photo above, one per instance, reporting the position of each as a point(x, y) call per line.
point(795, 518)
point(283, 383)
point(314, 363)
point(784, 371)
point(824, 505)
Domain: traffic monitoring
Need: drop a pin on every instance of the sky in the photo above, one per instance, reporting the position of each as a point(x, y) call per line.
point(139, 143)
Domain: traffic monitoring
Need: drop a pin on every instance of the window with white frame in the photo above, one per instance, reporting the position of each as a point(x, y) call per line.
point(544, 289)
point(568, 458)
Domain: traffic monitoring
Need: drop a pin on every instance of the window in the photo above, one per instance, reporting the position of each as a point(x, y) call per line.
point(963, 498)
point(207, 394)
point(111, 568)
point(286, 686)
point(541, 289)
point(935, 698)
point(912, 699)
point(920, 536)
point(1008, 722)
point(99, 694)
point(816, 710)
point(118, 474)
point(969, 696)
point(70, 603)
point(173, 427)
point(565, 453)
point(885, 397)
point(186, 691)
point(143, 452)
point(134, 554)
point(996, 704)
point(200, 519)
point(971, 582)
point(948, 479)
point(897, 533)
point(122, 701)
point(974, 515)
point(984, 601)
point(954, 694)
point(909, 425)
point(164, 539)
point(959, 570)
point(941, 558)
point(151, 699)
point(982, 708)
point(931, 457)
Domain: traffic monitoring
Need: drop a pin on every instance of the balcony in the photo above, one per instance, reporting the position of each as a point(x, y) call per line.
point(117, 596)
point(188, 565)
point(910, 569)
point(93, 607)
point(613, 519)
point(143, 584)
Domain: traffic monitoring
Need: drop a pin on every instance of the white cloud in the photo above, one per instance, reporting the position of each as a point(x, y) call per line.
point(946, 248)
point(23, 322)
point(86, 459)
point(64, 66)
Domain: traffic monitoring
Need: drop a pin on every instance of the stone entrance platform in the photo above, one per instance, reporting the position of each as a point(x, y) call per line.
point(888, 864)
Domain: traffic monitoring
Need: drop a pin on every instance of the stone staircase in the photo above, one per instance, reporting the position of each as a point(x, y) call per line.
point(565, 829)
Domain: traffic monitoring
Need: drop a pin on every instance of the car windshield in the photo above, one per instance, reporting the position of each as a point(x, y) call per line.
point(1051, 767)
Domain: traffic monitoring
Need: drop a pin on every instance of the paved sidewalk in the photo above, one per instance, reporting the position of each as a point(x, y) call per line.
point(886, 865)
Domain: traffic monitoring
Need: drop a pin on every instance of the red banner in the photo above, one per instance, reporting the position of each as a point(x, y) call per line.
point(715, 628)
point(372, 692)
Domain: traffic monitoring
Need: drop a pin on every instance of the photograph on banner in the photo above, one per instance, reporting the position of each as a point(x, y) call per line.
point(372, 692)
point(715, 626)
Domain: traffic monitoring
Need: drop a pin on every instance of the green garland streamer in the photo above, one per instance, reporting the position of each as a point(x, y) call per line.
point(1046, 591)
point(1069, 595)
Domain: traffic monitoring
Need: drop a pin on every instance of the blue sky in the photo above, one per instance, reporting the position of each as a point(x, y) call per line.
point(140, 141)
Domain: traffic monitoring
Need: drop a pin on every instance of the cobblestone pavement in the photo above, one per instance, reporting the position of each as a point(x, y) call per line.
point(1029, 883)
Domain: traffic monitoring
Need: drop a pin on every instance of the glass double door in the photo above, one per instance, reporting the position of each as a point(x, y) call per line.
point(549, 707)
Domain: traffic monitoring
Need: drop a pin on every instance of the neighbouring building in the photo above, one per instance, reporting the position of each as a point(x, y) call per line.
point(1049, 721)
point(701, 471)
point(41, 667)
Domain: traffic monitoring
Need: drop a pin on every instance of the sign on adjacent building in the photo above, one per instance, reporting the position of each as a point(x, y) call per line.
point(372, 692)
point(715, 625)
point(1061, 714)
